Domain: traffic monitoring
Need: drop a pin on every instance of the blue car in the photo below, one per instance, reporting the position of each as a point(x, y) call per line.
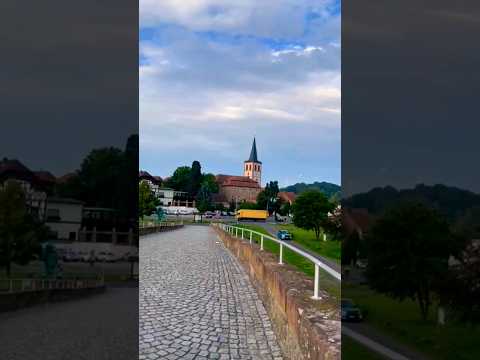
point(284, 235)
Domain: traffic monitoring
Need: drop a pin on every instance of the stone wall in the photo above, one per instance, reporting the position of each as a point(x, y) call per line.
point(306, 328)
point(240, 193)
point(158, 228)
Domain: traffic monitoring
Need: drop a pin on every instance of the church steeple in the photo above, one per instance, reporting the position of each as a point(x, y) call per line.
point(252, 167)
point(253, 153)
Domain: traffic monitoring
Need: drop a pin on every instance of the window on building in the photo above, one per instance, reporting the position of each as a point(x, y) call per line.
point(72, 236)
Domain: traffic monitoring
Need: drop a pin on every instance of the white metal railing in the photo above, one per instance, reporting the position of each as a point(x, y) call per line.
point(235, 230)
point(26, 285)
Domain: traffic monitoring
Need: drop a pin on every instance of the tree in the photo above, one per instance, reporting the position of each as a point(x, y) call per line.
point(20, 233)
point(147, 202)
point(310, 211)
point(333, 224)
point(195, 180)
point(248, 205)
point(262, 199)
point(204, 199)
point(180, 179)
point(461, 289)
point(285, 209)
point(408, 250)
point(210, 181)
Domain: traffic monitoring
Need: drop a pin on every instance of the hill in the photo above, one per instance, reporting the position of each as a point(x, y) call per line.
point(329, 189)
point(450, 201)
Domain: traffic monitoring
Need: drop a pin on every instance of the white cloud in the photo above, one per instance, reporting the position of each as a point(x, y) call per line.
point(281, 18)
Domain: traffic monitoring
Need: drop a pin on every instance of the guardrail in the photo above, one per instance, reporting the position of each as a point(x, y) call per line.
point(149, 224)
point(28, 285)
point(235, 230)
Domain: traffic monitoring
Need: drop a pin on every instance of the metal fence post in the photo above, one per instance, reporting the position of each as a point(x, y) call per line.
point(261, 243)
point(281, 254)
point(251, 233)
point(242, 234)
point(315, 288)
point(236, 232)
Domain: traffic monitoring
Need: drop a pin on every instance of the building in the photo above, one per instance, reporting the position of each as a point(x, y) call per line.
point(35, 193)
point(237, 189)
point(252, 168)
point(287, 196)
point(154, 182)
point(64, 217)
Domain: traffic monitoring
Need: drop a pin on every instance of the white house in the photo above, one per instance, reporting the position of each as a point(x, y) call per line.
point(64, 217)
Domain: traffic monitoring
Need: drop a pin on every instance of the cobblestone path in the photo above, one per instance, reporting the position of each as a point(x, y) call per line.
point(196, 302)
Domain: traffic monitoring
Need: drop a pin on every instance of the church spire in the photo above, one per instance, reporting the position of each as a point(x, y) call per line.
point(253, 153)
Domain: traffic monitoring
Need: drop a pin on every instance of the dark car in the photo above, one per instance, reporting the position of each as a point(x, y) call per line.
point(284, 235)
point(350, 311)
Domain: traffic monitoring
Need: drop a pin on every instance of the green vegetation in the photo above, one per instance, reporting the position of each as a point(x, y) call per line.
point(352, 350)
point(452, 341)
point(332, 191)
point(147, 202)
point(306, 238)
point(306, 266)
point(310, 211)
point(20, 233)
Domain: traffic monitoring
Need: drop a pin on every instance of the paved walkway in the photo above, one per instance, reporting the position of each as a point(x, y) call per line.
point(98, 327)
point(196, 302)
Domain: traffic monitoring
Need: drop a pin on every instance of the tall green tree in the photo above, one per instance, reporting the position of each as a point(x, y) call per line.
point(204, 199)
point(310, 211)
point(180, 179)
point(20, 233)
point(408, 250)
point(195, 180)
point(210, 181)
point(147, 202)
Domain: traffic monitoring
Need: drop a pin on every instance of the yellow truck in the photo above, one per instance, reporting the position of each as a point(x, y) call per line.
point(255, 215)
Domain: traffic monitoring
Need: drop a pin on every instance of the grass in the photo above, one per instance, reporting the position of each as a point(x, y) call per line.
point(352, 350)
point(330, 249)
point(401, 320)
point(327, 282)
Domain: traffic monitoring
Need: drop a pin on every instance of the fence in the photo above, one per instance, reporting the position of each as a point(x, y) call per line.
point(28, 285)
point(114, 237)
point(235, 230)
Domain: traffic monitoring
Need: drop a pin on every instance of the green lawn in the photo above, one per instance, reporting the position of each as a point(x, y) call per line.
point(402, 321)
point(352, 350)
point(330, 248)
point(327, 282)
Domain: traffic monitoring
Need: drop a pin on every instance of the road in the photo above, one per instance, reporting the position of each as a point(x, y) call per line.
point(196, 302)
point(99, 327)
point(360, 332)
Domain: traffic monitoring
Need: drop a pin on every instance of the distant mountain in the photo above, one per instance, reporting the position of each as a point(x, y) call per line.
point(329, 189)
point(450, 201)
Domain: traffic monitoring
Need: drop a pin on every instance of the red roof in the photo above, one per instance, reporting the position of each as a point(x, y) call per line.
point(237, 181)
point(45, 176)
point(287, 196)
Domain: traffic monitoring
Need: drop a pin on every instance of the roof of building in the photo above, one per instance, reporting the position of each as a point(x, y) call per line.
point(144, 175)
point(12, 168)
point(45, 176)
point(357, 219)
point(253, 153)
point(237, 181)
point(287, 196)
point(58, 200)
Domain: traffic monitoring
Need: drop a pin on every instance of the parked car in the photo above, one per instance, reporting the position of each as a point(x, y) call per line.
point(284, 235)
point(71, 256)
point(350, 311)
point(84, 256)
point(106, 256)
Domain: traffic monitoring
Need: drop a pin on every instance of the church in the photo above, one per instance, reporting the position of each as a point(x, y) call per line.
point(237, 189)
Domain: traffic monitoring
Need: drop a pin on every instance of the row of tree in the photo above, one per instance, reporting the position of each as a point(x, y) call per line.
point(410, 250)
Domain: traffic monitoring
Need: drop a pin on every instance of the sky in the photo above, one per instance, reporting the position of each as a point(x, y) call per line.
point(69, 80)
point(410, 85)
point(214, 73)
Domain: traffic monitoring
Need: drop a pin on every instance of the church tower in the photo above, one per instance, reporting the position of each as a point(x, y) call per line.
point(252, 168)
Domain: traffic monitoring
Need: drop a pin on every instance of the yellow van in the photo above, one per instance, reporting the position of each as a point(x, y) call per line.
point(245, 214)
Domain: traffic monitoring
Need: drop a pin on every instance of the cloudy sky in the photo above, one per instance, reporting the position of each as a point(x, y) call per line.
point(216, 73)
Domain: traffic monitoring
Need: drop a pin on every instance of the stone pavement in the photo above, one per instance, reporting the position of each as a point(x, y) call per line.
point(196, 302)
point(97, 327)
